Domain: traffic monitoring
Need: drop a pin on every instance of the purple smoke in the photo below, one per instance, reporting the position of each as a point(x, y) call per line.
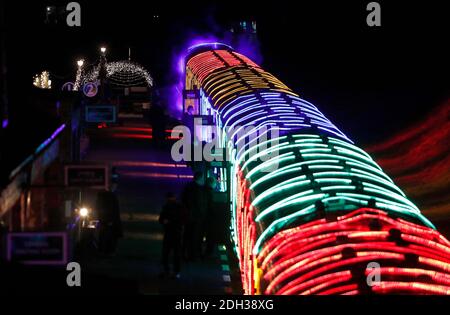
point(248, 46)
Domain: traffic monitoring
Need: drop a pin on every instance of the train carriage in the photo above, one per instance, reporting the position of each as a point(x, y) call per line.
point(319, 215)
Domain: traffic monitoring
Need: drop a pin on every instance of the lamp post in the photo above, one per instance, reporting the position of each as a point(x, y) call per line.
point(102, 73)
point(78, 78)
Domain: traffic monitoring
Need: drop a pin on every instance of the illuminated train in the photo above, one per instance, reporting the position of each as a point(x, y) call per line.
point(327, 213)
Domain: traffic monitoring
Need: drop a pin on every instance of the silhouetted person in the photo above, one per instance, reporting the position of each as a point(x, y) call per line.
point(195, 201)
point(110, 223)
point(172, 217)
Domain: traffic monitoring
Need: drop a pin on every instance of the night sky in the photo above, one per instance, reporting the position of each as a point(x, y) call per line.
point(370, 82)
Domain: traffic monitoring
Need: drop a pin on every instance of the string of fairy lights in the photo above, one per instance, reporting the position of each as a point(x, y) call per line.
point(311, 225)
point(123, 74)
point(42, 80)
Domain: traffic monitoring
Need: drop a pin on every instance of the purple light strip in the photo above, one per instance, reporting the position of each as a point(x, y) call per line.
point(50, 139)
point(38, 150)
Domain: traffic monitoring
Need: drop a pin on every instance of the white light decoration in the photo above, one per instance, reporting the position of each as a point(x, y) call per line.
point(42, 80)
point(84, 212)
point(78, 78)
point(123, 74)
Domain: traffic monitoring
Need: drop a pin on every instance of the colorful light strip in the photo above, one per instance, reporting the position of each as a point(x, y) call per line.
point(326, 209)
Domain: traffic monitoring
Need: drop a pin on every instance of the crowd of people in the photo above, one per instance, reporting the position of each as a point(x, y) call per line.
point(189, 231)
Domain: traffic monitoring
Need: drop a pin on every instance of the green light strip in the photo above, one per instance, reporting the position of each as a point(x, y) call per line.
point(383, 180)
point(292, 200)
point(348, 160)
point(348, 145)
point(275, 160)
point(350, 174)
point(338, 187)
point(286, 170)
point(253, 144)
point(357, 155)
point(321, 167)
point(266, 152)
point(265, 144)
point(333, 180)
point(382, 188)
point(280, 188)
point(392, 195)
point(378, 199)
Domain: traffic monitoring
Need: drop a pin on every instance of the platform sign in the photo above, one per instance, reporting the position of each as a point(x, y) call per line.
point(90, 89)
point(191, 94)
point(101, 114)
point(40, 248)
point(87, 176)
point(68, 86)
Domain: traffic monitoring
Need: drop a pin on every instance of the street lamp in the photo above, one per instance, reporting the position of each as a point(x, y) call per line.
point(84, 212)
point(103, 50)
point(80, 63)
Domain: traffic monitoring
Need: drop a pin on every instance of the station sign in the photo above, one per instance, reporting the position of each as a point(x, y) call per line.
point(101, 114)
point(86, 176)
point(191, 94)
point(40, 248)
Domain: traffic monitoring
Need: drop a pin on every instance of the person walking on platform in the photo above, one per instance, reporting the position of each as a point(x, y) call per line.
point(110, 223)
point(172, 217)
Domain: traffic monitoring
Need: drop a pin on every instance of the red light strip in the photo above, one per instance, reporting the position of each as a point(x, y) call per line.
point(138, 136)
point(155, 175)
point(341, 290)
point(327, 279)
point(408, 287)
point(308, 260)
point(439, 277)
point(328, 265)
point(137, 129)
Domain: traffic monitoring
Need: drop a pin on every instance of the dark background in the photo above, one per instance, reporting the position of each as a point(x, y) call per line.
point(371, 82)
